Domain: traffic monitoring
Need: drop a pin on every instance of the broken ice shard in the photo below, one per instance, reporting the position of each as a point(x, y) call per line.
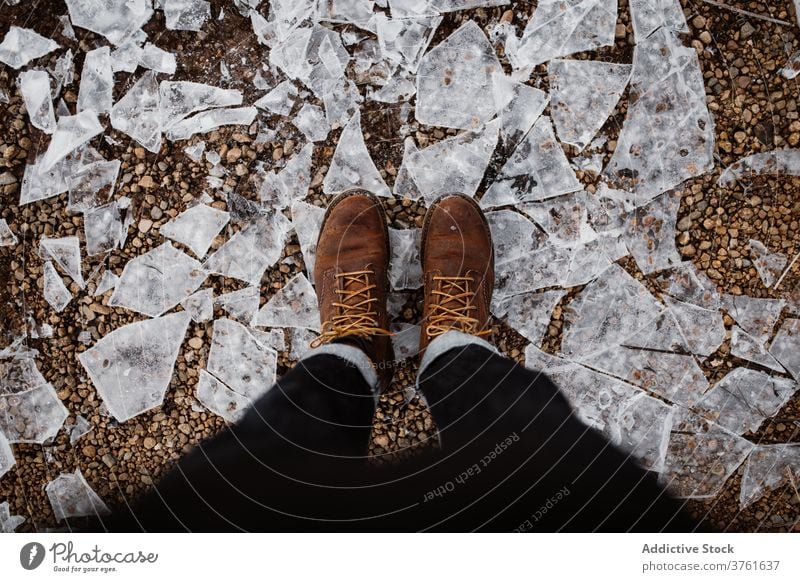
point(200, 305)
point(103, 228)
point(92, 185)
point(529, 313)
point(776, 163)
point(295, 305)
point(745, 398)
point(564, 218)
point(404, 186)
point(341, 103)
point(650, 234)
point(196, 228)
point(32, 415)
point(307, 221)
point(701, 456)
point(137, 113)
point(523, 106)
point(71, 496)
point(455, 164)
point(403, 40)
point(241, 362)
point(702, 330)
point(686, 283)
point(311, 121)
point(560, 28)
point(157, 281)
point(9, 523)
point(538, 169)
point(35, 88)
point(22, 45)
point(220, 399)
point(97, 82)
point(358, 12)
point(186, 14)
point(767, 468)
point(454, 82)
point(786, 347)
point(6, 455)
point(72, 131)
point(157, 59)
point(582, 96)
point(405, 340)
point(247, 254)
point(179, 99)
point(206, 121)
point(280, 100)
point(113, 19)
point(80, 428)
point(754, 315)
point(745, 346)
point(7, 237)
point(650, 15)
point(66, 252)
point(352, 166)
point(279, 190)
point(132, 366)
point(668, 133)
point(55, 292)
point(405, 269)
point(240, 305)
point(769, 265)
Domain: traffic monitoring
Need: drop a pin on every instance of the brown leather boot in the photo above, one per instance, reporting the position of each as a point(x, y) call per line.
point(458, 264)
point(351, 275)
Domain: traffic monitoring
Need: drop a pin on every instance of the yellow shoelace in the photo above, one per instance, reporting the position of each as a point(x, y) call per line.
point(453, 309)
point(357, 316)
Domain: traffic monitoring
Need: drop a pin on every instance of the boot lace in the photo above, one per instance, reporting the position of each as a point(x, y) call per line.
point(357, 315)
point(452, 307)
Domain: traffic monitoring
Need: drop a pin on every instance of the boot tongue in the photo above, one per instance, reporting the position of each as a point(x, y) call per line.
point(453, 288)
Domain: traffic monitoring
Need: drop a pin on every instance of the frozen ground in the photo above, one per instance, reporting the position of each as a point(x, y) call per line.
point(164, 167)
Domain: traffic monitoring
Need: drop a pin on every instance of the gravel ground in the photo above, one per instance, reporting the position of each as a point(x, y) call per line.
point(755, 110)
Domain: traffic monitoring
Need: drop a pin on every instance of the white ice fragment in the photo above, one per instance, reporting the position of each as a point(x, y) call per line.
point(454, 82)
point(157, 281)
point(196, 228)
point(280, 189)
point(396, 90)
point(703, 330)
point(686, 283)
point(295, 305)
point(644, 428)
point(404, 186)
point(35, 88)
point(650, 15)
point(132, 366)
point(103, 228)
point(33, 415)
point(186, 14)
point(71, 132)
point(79, 429)
point(71, 496)
point(521, 107)
point(769, 265)
point(767, 468)
point(745, 398)
point(538, 169)
point(220, 399)
point(9, 523)
point(22, 45)
point(66, 252)
point(241, 305)
point(563, 27)
point(701, 456)
point(97, 82)
point(113, 19)
point(157, 59)
point(137, 113)
point(312, 122)
point(745, 346)
point(582, 96)
point(195, 152)
point(341, 103)
point(92, 185)
point(241, 362)
point(455, 164)
point(352, 166)
point(200, 305)
point(650, 233)
point(127, 56)
point(405, 269)
point(668, 133)
point(786, 347)
point(6, 455)
point(358, 12)
point(7, 237)
point(792, 68)
point(565, 219)
point(280, 100)
point(206, 121)
point(179, 99)
point(403, 41)
point(247, 254)
point(55, 292)
point(529, 313)
point(307, 221)
point(755, 316)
